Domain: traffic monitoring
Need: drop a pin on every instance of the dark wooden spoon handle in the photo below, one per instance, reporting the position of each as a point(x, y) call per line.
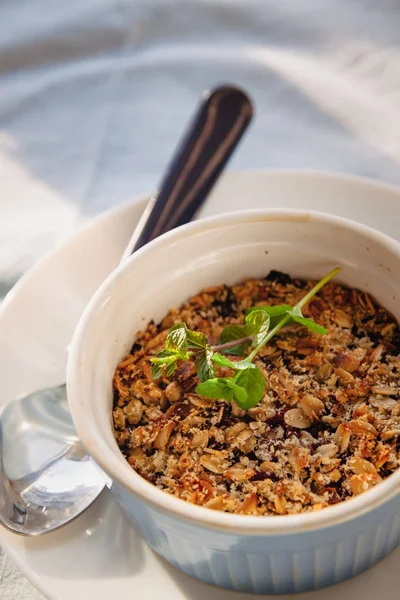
point(212, 136)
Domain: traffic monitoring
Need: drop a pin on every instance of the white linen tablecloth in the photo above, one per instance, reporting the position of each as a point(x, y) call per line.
point(94, 95)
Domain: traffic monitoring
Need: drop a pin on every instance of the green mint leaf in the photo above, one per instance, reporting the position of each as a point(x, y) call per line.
point(223, 361)
point(257, 323)
point(223, 388)
point(231, 333)
point(272, 311)
point(203, 365)
point(196, 339)
point(311, 325)
point(176, 339)
point(156, 371)
point(163, 354)
point(275, 312)
point(252, 381)
point(168, 359)
point(297, 317)
point(171, 369)
point(215, 388)
point(239, 393)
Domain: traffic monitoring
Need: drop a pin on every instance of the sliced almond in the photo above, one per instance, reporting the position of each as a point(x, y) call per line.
point(362, 483)
point(247, 445)
point(296, 417)
point(312, 406)
point(213, 464)
point(248, 506)
point(206, 488)
point(244, 435)
point(347, 361)
point(194, 420)
point(200, 439)
point(216, 503)
point(286, 384)
point(232, 432)
point(385, 390)
point(377, 353)
point(280, 505)
point(384, 403)
point(331, 421)
point(360, 428)
point(262, 413)
point(238, 473)
point(199, 401)
point(220, 414)
point(344, 376)
point(390, 433)
point(342, 436)
point(360, 465)
point(324, 372)
point(162, 438)
point(342, 319)
point(327, 450)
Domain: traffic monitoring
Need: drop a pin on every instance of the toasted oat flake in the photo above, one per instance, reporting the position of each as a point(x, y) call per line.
point(327, 428)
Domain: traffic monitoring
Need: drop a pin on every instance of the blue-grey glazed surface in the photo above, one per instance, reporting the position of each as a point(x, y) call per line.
point(267, 564)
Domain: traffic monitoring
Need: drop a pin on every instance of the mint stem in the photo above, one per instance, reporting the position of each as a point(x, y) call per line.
point(317, 287)
point(232, 344)
point(300, 304)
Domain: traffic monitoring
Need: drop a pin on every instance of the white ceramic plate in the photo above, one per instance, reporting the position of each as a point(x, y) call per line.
point(98, 556)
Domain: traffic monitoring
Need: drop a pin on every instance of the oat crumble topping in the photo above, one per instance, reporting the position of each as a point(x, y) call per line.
point(327, 428)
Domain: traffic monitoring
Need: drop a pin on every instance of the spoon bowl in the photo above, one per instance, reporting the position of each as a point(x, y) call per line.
point(42, 460)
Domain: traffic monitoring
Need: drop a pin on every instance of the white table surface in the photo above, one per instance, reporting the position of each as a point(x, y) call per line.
point(94, 95)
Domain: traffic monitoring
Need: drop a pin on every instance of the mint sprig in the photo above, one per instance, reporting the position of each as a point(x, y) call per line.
point(246, 387)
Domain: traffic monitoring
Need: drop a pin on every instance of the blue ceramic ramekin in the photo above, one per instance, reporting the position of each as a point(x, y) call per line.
point(268, 554)
point(266, 563)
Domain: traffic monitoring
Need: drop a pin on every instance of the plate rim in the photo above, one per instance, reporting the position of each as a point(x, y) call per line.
point(116, 212)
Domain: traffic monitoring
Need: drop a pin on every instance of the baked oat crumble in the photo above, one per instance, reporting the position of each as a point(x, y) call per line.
point(326, 429)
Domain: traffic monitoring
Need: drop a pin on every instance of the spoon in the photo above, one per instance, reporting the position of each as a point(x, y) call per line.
point(46, 477)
